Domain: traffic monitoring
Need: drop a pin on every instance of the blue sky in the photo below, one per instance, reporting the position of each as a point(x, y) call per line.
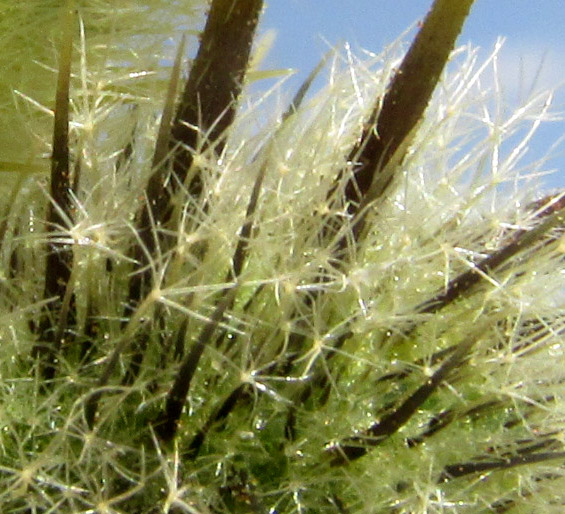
point(534, 32)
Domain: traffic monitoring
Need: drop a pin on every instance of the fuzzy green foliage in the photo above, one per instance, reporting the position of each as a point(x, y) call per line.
point(123, 50)
point(354, 307)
